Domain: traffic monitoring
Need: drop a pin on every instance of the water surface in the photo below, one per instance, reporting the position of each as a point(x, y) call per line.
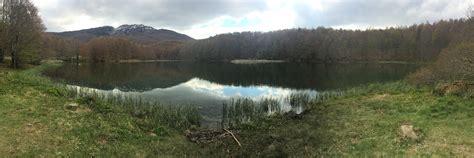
point(207, 85)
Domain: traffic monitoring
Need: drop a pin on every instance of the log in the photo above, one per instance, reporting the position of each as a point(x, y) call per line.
point(233, 136)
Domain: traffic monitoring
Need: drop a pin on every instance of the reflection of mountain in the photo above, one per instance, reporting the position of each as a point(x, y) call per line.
point(147, 76)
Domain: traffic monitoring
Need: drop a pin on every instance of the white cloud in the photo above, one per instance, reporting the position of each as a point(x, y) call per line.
point(204, 18)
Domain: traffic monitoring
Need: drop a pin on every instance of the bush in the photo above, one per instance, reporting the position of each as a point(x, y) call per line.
point(455, 63)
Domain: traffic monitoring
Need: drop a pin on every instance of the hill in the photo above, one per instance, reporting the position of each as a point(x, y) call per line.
point(136, 32)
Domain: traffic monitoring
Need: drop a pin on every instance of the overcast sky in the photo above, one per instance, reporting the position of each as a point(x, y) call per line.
point(204, 18)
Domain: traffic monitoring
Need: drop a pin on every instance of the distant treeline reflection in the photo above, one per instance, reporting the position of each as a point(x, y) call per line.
point(148, 76)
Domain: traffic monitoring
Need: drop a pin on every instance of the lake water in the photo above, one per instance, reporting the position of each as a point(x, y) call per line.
point(207, 85)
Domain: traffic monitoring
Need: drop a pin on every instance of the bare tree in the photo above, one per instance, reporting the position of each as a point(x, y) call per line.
point(3, 16)
point(23, 27)
point(470, 11)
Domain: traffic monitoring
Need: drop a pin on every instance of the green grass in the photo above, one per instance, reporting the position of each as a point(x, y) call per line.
point(35, 123)
point(363, 122)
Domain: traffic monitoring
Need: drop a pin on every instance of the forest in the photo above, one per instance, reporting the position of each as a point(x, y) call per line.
point(440, 43)
point(422, 42)
point(415, 43)
point(104, 49)
point(445, 43)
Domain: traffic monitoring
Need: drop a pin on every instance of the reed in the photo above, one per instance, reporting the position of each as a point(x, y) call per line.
point(156, 114)
point(239, 112)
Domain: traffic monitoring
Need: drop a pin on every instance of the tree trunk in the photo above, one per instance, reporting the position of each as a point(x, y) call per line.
point(15, 53)
point(77, 58)
point(2, 55)
point(14, 61)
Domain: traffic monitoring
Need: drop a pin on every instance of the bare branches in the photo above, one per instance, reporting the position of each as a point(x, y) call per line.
point(470, 11)
point(21, 31)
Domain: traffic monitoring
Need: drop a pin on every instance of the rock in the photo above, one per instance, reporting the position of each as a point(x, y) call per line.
point(152, 134)
point(294, 115)
point(274, 136)
point(408, 132)
point(72, 106)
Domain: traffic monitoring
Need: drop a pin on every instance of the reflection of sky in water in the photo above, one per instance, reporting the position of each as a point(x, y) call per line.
point(205, 95)
point(224, 91)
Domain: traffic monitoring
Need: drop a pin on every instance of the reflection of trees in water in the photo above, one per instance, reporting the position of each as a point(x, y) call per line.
point(301, 76)
point(136, 76)
point(146, 76)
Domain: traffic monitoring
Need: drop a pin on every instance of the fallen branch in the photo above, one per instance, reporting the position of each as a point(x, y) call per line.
point(233, 136)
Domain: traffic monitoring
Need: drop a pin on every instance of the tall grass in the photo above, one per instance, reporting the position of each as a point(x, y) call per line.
point(239, 112)
point(174, 116)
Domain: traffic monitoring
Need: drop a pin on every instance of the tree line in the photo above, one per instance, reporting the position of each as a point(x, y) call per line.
point(22, 38)
point(422, 42)
point(20, 32)
point(104, 49)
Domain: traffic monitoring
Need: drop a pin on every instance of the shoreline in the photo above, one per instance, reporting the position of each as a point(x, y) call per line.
point(144, 61)
point(248, 61)
point(364, 122)
point(252, 61)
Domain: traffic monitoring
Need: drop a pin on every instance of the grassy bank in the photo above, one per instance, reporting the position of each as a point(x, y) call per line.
point(366, 122)
point(37, 122)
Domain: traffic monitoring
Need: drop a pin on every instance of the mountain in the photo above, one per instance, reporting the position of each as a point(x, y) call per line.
point(136, 32)
point(88, 34)
point(148, 34)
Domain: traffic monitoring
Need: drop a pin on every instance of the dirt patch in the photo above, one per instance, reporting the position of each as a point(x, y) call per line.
point(205, 136)
point(380, 97)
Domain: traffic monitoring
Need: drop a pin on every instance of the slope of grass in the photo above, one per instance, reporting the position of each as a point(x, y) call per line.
point(366, 122)
point(35, 122)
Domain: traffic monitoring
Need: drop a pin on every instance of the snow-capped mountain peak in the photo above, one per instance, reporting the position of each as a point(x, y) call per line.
point(134, 28)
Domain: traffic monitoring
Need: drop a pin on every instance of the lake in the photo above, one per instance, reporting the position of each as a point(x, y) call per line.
point(207, 85)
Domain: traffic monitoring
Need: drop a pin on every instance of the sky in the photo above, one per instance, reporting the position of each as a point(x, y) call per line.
point(204, 18)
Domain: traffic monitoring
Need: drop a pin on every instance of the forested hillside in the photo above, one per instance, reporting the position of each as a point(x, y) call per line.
point(109, 44)
point(416, 43)
point(422, 42)
point(105, 49)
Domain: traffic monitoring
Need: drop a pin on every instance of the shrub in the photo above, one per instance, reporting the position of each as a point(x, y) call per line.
point(455, 63)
